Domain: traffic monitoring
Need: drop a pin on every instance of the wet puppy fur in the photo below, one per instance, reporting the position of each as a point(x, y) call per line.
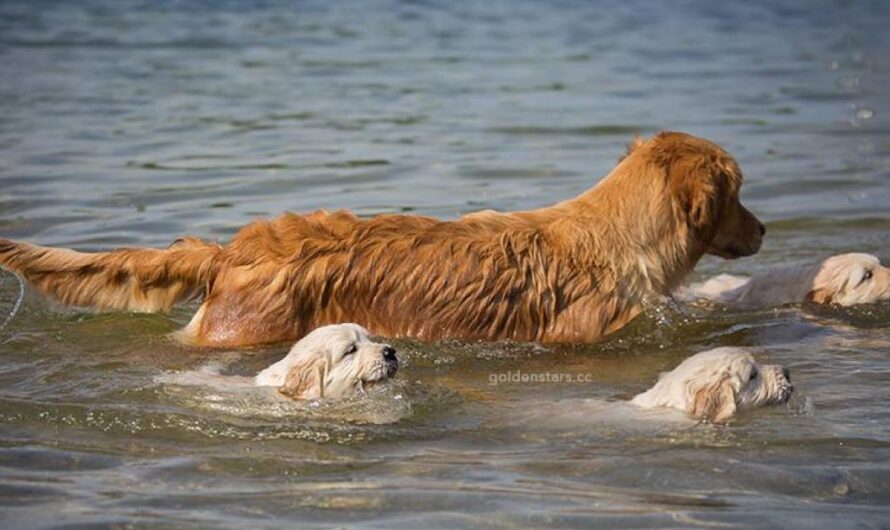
point(571, 272)
point(334, 361)
point(715, 385)
point(843, 280)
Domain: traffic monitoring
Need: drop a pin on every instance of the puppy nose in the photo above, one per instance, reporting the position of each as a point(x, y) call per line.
point(762, 229)
point(389, 353)
point(787, 374)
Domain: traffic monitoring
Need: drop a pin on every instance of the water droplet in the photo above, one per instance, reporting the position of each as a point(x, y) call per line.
point(865, 114)
point(841, 489)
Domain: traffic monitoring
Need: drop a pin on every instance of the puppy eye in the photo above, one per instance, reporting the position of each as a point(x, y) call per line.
point(351, 349)
point(753, 375)
point(867, 275)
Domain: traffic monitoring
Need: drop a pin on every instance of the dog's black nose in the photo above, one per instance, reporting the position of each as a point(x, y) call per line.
point(389, 353)
point(762, 229)
point(787, 374)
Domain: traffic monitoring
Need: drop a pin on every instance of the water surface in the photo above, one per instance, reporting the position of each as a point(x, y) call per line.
point(131, 123)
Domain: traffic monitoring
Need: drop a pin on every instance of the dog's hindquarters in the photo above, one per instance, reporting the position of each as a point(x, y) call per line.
point(137, 279)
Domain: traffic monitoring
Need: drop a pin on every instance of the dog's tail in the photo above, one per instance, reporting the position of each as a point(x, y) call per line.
point(130, 279)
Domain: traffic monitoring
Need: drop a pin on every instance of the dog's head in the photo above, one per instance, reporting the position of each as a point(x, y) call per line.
point(704, 181)
point(715, 384)
point(331, 362)
point(850, 279)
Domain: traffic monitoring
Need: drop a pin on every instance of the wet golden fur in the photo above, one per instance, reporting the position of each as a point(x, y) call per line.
point(570, 272)
point(716, 384)
point(332, 361)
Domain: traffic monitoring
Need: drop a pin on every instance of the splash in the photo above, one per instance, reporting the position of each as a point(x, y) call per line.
point(666, 316)
point(237, 397)
point(666, 311)
point(17, 305)
point(800, 405)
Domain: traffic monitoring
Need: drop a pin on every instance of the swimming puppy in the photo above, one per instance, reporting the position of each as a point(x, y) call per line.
point(844, 280)
point(571, 272)
point(716, 384)
point(335, 361)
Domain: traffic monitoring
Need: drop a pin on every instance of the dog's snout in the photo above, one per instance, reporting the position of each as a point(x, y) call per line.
point(787, 374)
point(392, 362)
point(762, 228)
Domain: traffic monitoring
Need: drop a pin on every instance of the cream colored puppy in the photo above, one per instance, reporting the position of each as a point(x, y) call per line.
point(715, 384)
point(845, 280)
point(333, 361)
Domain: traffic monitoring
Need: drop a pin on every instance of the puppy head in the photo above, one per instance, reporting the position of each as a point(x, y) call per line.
point(333, 362)
point(727, 380)
point(704, 181)
point(714, 385)
point(850, 279)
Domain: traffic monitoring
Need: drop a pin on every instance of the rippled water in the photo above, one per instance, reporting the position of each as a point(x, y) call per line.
point(130, 123)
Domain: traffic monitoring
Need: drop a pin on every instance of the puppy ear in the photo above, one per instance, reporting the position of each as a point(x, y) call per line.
point(831, 282)
point(305, 380)
point(715, 402)
point(820, 295)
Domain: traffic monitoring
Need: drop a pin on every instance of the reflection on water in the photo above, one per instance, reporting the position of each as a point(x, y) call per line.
point(129, 123)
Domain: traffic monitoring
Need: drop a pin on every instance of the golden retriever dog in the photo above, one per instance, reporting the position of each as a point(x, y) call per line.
point(716, 384)
point(331, 362)
point(571, 272)
point(844, 280)
point(712, 386)
point(334, 361)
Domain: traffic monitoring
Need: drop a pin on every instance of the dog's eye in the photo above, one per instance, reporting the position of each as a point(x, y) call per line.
point(351, 349)
point(867, 275)
point(753, 375)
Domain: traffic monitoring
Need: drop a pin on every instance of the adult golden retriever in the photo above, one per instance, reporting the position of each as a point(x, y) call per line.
point(571, 272)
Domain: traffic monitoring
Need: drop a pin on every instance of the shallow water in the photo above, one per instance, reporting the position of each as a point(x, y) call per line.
point(131, 123)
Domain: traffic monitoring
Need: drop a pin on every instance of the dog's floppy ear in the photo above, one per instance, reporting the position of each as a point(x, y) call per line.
point(715, 402)
point(703, 183)
point(702, 205)
point(820, 295)
point(698, 185)
point(707, 187)
point(305, 380)
point(829, 283)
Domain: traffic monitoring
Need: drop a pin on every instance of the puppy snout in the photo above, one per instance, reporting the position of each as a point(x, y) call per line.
point(762, 228)
point(785, 386)
point(392, 362)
